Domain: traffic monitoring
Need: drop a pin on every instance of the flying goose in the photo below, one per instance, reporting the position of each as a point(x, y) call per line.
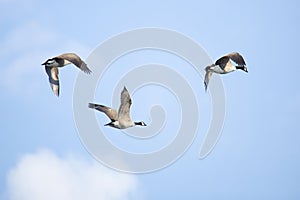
point(120, 119)
point(52, 64)
point(224, 65)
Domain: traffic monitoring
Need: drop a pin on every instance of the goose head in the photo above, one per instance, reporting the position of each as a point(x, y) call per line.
point(244, 68)
point(50, 62)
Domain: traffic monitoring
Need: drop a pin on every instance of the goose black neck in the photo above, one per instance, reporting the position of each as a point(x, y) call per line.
point(138, 123)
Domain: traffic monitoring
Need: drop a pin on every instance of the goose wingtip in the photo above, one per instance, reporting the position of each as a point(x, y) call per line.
point(91, 105)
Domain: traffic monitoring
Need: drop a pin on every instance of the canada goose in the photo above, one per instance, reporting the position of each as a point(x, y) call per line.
point(224, 65)
point(52, 64)
point(120, 119)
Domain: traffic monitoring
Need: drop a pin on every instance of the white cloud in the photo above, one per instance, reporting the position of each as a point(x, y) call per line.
point(46, 176)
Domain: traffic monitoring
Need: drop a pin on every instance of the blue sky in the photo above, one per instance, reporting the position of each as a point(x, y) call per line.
point(257, 155)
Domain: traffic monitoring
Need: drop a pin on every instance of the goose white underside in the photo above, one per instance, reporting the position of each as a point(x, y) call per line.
point(228, 68)
point(218, 69)
point(123, 125)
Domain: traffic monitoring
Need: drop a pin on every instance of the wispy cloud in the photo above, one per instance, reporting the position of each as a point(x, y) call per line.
point(44, 175)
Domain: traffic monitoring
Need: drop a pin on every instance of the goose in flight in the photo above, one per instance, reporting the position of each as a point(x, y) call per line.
point(120, 119)
point(52, 64)
point(224, 65)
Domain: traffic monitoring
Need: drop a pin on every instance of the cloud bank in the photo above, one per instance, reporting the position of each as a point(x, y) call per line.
point(46, 176)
